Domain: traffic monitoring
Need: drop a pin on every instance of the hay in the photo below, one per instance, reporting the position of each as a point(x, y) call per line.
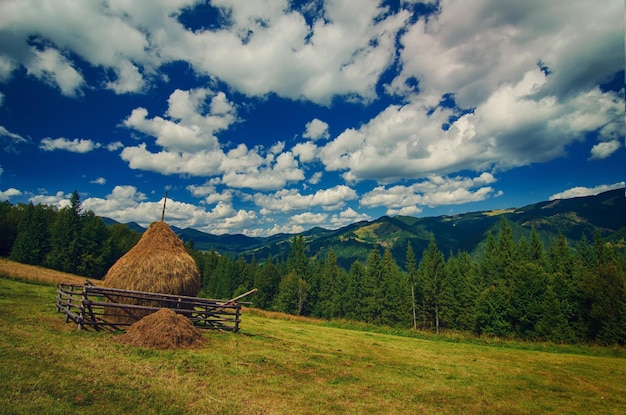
point(158, 263)
point(163, 330)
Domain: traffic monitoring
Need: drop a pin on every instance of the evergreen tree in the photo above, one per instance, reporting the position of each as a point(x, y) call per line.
point(354, 291)
point(65, 241)
point(394, 292)
point(95, 246)
point(8, 228)
point(411, 267)
point(461, 273)
point(527, 298)
point(370, 306)
point(432, 276)
point(32, 242)
point(267, 284)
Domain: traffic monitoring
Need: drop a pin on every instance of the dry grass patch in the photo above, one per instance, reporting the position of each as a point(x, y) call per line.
point(23, 272)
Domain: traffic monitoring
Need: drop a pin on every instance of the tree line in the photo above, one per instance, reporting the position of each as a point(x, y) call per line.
point(515, 288)
point(66, 239)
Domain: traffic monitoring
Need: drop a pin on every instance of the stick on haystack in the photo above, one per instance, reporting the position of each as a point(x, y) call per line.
point(158, 263)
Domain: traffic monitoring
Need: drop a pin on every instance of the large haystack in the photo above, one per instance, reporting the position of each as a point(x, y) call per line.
point(158, 263)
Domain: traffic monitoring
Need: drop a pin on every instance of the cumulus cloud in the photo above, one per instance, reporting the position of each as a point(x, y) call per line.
point(605, 149)
point(290, 200)
point(9, 193)
point(114, 35)
point(270, 48)
point(511, 128)
point(114, 146)
point(192, 121)
point(435, 191)
point(99, 180)
point(53, 68)
point(316, 129)
point(581, 191)
point(189, 145)
point(346, 217)
point(77, 145)
point(471, 50)
point(127, 204)
point(59, 199)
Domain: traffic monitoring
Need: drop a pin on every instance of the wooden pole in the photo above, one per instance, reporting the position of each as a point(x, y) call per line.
point(164, 202)
point(239, 297)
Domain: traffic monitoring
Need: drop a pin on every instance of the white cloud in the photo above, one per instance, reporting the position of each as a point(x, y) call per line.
point(270, 48)
point(290, 200)
point(117, 36)
point(581, 191)
point(307, 219)
point(7, 66)
point(126, 204)
point(470, 49)
point(53, 68)
point(605, 149)
point(77, 145)
point(347, 217)
point(404, 211)
point(6, 133)
point(435, 191)
point(201, 163)
point(114, 146)
point(316, 129)
point(192, 122)
point(59, 199)
point(306, 152)
point(512, 128)
point(99, 180)
point(9, 193)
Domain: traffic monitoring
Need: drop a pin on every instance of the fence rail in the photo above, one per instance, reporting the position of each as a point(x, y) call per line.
point(100, 308)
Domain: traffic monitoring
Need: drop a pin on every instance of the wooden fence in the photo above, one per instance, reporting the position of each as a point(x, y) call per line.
point(99, 308)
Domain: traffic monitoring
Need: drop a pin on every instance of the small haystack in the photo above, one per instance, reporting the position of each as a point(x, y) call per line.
point(163, 330)
point(158, 263)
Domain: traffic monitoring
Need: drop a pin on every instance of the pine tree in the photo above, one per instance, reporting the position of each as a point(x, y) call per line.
point(394, 292)
point(411, 266)
point(32, 242)
point(332, 287)
point(370, 301)
point(267, 284)
point(431, 272)
point(461, 273)
point(354, 291)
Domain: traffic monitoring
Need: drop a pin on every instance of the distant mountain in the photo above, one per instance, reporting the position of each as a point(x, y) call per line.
point(574, 218)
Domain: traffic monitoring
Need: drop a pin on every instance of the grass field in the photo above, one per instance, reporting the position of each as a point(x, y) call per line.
point(278, 365)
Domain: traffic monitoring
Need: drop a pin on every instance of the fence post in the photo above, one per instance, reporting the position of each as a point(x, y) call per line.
point(237, 312)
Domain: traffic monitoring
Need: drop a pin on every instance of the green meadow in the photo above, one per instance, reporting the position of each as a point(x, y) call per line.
point(280, 365)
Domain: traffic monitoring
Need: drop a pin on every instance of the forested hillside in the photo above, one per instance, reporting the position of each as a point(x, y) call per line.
point(516, 285)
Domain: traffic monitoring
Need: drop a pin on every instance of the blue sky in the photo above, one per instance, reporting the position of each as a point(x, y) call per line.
point(269, 116)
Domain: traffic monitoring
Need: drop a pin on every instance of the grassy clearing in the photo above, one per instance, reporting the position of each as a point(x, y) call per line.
point(283, 366)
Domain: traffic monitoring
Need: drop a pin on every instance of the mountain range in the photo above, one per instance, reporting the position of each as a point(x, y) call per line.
point(574, 218)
